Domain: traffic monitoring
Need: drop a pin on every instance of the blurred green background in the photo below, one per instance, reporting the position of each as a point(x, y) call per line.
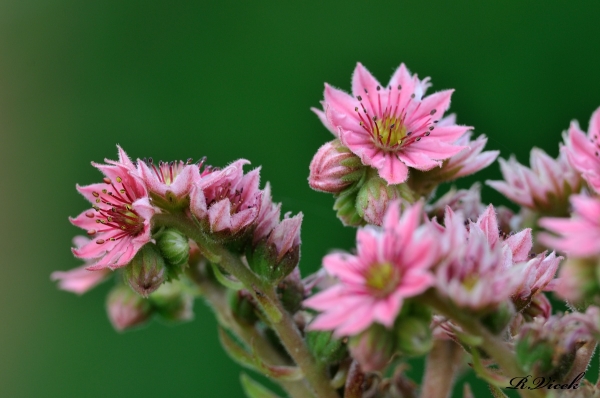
point(174, 80)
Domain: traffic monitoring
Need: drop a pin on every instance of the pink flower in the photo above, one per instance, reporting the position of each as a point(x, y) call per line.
point(391, 265)
point(175, 177)
point(79, 280)
point(119, 221)
point(268, 216)
point(584, 152)
point(275, 244)
point(285, 237)
point(545, 186)
point(393, 128)
point(228, 200)
point(578, 236)
point(468, 161)
point(538, 275)
point(471, 159)
point(485, 267)
point(479, 272)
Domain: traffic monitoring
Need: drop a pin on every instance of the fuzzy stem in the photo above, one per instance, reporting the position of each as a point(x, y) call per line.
point(491, 344)
point(215, 296)
point(280, 321)
point(443, 363)
point(583, 356)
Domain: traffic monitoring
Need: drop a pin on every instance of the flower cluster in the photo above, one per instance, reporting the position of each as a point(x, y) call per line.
point(125, 231)
point(430, 268)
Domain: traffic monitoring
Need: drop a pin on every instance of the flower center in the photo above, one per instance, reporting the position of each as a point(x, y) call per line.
point(470, 281)
point(385, 119)
point(114, 211)
point(167, 172)
point(382, 279)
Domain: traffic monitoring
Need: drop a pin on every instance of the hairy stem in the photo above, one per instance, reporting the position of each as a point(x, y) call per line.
point(280, 321)
point(491, 344)
point(443, 363)
point(215, 296)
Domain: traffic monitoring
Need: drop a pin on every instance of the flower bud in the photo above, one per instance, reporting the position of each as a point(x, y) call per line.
point(146, 272)
point(325, 348)
point(291, 291)
point(174, 247)
point(414, 336)
point(373, 348)
point(173, 302)
point(497, 321)
point(126, 309)
point(534, 350)
point(276, 256)
point(243, 306)
point(540, 307)
point(374, 198)
point(334, 168)
point(345, 207)
point(579, 282)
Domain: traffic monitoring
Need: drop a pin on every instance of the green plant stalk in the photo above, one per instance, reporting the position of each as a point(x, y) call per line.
point(216, 297)
point(491, 344)
point(280, 321)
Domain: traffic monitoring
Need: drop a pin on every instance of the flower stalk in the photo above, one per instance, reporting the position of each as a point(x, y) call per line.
point(279, 320)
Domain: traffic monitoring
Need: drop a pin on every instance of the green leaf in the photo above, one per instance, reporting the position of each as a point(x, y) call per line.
point(225, 281)
point(254, 389)
point(254, 362)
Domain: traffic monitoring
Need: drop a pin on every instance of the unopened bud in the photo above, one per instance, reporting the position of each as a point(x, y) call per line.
point(334, 168)
point(276, 256)
point(375, 196)
point(414, 335)
point(373, 349)
point(498, 320)
point(175, 249)
point(291, 291)
point(325, 348)
point(243, 306)
point(579, 282)
point(126, 309)
point(540, 307)
point(146, 272)
point(534, 353)
point(173, 302)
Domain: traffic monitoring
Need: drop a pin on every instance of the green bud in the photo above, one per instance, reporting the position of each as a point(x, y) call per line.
point(173, 302)
point(413, 335)
point(175, 249)
point(146, 272)
point(242, 306)
point(374, 198)
point(326, 348)
point(291, 292)
point(534, 356)
point(497, 321)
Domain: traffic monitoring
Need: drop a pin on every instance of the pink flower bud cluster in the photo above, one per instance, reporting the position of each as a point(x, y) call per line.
point(226, 204)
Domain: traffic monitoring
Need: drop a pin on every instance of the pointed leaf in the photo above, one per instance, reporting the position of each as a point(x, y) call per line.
point(254, 389)
point(252, 361)
point(225, 281)
point(497, 392)
point(487, 374)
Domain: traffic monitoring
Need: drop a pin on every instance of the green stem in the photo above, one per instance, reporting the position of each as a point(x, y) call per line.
point(280, 321)
point(215, 296)
point(491, 344)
